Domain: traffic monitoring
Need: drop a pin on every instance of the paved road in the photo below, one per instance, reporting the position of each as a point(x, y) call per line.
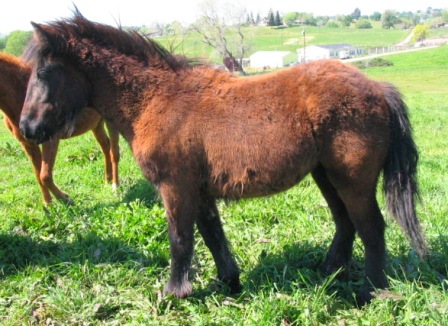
point(389, 53)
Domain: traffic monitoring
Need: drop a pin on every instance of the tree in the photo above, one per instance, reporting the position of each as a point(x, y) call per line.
point(376, 16)
point(407, 23)
point(271, 19)
point(436, 22)
point(445, 16)
point(16, 42)
point(224, 35)
point(3, 43)
point(290, 18)
point(306, 18)
point(420, 32)
point(278, 20)
point(356, 14)
point(346, 20)
point(179, 34)
point(251, 19)
point(389, 19)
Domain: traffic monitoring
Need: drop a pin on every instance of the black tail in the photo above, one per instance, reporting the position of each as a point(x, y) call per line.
point(400, 171)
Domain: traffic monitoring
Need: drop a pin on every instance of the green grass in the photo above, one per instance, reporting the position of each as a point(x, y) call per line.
point(104, 261)
point(424, 71)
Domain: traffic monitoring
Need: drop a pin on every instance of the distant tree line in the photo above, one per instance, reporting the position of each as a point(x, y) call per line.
point(389, 19)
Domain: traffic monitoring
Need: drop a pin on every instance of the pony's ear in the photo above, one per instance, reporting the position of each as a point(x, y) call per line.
point(39, 32)
point(42, 35)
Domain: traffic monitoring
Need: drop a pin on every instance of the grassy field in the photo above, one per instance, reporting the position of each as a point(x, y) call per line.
point(290, 39)
point(104, 261)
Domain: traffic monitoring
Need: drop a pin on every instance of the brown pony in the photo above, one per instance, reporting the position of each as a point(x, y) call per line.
point(14, 75)
point(200, 134)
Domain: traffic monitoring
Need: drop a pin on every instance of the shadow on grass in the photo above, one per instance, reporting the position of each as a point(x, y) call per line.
point(18, 252)
point(143, 191)
point(298, 266)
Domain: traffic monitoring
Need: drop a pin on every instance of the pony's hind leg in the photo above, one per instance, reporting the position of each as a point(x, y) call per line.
point(340, 251)
point(362, 207)
point(210, 227)
point(114, 137)
point(101, 137)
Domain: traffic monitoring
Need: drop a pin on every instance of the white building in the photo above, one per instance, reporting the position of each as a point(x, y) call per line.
point(272, 59)
point(329, 51)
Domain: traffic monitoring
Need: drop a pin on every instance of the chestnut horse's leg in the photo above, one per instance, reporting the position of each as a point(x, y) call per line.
point(210, 227)
point(101, 137)
point(114, 137)
point(181, 202)
point(341, 248)
point(34, 153)
point(49, 151)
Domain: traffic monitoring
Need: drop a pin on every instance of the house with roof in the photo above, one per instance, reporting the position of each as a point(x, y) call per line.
point(272, 59)
point(328, 51)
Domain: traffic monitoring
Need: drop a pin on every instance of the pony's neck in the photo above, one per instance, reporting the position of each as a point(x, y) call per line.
point(13, 82)
point(120, 89)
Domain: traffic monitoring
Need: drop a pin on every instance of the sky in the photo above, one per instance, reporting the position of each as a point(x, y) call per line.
point(17, 14)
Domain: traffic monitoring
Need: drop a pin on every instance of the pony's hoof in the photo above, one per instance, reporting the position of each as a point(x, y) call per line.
point(343, 273)
point(178, 291)
point(64, 198)
point(363, 299)
point(68, 201)
point(233, 284)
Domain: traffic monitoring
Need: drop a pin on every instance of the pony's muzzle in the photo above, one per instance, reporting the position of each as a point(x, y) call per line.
point(32, 131)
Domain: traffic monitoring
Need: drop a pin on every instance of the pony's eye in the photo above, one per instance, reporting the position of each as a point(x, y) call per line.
point(42, 74)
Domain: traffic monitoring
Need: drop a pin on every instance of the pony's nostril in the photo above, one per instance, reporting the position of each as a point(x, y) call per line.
point(32, 131)
point(24, 127)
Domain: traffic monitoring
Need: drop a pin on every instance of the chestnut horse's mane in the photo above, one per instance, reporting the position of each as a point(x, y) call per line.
point(129, 43)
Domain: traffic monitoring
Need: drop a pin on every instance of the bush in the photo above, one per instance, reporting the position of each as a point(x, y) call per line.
point(332, 24)
point(363, 24)
point(16, 42)
point(375, 62)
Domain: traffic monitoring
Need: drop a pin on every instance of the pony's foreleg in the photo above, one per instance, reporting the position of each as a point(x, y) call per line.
point(101, 137)
point(49, 151)
point(114, 137)
point(35, 155)
point(210, 227)
point(182, 206)
point(340, 251)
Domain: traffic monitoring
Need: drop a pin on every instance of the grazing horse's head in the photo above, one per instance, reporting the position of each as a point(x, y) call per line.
point(56, 91)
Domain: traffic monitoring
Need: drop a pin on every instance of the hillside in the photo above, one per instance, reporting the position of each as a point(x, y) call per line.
point(290, 39)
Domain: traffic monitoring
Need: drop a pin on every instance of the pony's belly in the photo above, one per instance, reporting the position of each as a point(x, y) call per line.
point(253, 183)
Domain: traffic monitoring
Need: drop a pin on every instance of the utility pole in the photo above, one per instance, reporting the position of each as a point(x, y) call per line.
point(304, 45)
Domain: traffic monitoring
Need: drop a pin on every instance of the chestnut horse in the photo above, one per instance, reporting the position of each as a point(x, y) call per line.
point(200, 134)
point(14, 75)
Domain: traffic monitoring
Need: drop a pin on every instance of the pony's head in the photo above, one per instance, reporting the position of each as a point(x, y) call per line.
point(56, 91)
point(66, 57)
